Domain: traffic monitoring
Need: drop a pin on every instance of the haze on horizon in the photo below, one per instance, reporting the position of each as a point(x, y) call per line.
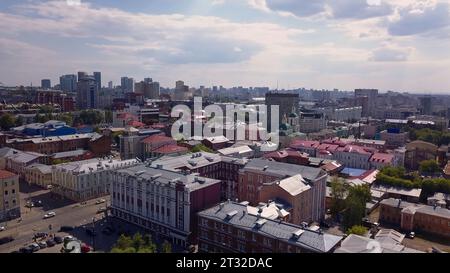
point(399, 45)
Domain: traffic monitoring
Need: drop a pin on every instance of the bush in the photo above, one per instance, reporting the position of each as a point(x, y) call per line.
point(357, 230)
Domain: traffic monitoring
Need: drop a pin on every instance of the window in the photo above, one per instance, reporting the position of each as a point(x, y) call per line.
point(6, 192)
point(241, 234)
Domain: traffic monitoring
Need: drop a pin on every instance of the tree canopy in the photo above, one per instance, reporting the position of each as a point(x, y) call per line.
point(357, 230)
point(7, 121)
point(135, 244)
point(429, 166)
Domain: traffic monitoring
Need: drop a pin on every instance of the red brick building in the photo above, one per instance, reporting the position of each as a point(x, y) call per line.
point(100, 145)
point(415, 217)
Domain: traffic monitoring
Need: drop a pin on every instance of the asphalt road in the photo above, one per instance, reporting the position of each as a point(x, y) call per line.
point(67, 214)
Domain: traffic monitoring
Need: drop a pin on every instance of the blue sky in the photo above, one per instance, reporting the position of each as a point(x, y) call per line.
point(391, 45)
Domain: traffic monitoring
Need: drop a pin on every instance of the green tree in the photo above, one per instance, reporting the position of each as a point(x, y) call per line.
point(19, 121)
point(201, 148)
point(108, 116)
point(7, 121)
point(429, 166)
point(166, 247)
point(339, 192)
point(135, 244)
point(357, 230)
point(356, 205)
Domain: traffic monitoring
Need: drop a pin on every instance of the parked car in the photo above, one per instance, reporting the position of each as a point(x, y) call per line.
point(38, 204)
point(66, 228)
point(2, 228)
point(50, 243)
point(100, 201)
point(85, 248)
point(101, 210)
point(42, 245)
point(34, 247)
point(49, 215)
point(26, 249)
point(58, 240)
point(68, 238)
point(40, 235)
point(411, 235)
point(29, 204)
point(6, 240)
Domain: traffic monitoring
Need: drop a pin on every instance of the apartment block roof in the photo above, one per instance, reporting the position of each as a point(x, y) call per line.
point(151, 174)
point(316, 241)
point(5, 174)
point(94, 165)
point(284, 169)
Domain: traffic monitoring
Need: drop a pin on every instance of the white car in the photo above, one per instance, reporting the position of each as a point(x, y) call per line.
point(2, 228)
point(49, 215)
point(100, 201)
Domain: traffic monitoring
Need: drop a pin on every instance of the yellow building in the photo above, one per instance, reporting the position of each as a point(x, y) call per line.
point(39, 174)
point(9, 196)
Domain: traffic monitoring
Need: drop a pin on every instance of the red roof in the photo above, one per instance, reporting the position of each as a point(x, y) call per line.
point(126, 116)
point(157, 138)
point(304, 143)
point(5, 174)
point(328, 147)
point(354, 149)
point(170, 149)
point(135, 123)
point(382, 158)
point(286, 153)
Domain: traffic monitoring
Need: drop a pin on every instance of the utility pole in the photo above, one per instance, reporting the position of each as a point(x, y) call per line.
point(93, 234)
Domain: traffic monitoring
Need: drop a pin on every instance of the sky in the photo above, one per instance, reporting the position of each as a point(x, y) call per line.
point(399, 45)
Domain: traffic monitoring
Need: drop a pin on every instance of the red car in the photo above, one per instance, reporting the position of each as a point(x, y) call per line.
point(85, 248)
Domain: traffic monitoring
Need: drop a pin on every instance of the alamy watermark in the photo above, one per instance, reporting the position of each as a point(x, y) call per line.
point(238, 123)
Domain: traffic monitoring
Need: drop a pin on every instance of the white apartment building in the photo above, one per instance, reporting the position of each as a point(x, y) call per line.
point(162, 201)
point(87, 179)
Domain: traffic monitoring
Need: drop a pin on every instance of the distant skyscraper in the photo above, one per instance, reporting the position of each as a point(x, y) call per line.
point(425, 103)
point(288, 104)
point(372, 95)
point(81, 75)
point(181, 91)
point(148, 80)
point(46, 84)
point(149, 89)
point(110, 85)
point(127, 84)
point(98, 79)
point(87, 93)
point(68, 83)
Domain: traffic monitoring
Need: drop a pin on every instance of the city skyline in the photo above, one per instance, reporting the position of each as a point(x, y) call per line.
point(399, 45)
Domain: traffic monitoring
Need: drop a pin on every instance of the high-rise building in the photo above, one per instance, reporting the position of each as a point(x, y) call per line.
point(46, 84)
point(148, 80)
point(425, 103)
point(68, 83)
point(82, 74)
point(87, 93)
point(288, 104)
point(148, 88)
point(127, 84)
point(98, 79)
point(371, 94)
point(181, 91)
point(110, 84)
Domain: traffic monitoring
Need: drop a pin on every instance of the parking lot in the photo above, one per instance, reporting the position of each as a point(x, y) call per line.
point(67, 213)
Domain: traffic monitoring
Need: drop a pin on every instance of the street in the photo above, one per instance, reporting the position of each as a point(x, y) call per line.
point(68, 213)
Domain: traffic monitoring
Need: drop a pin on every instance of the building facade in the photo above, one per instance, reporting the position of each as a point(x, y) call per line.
point(84, 180)
point(161, 201)
point(231, 228)
point(9, 196)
